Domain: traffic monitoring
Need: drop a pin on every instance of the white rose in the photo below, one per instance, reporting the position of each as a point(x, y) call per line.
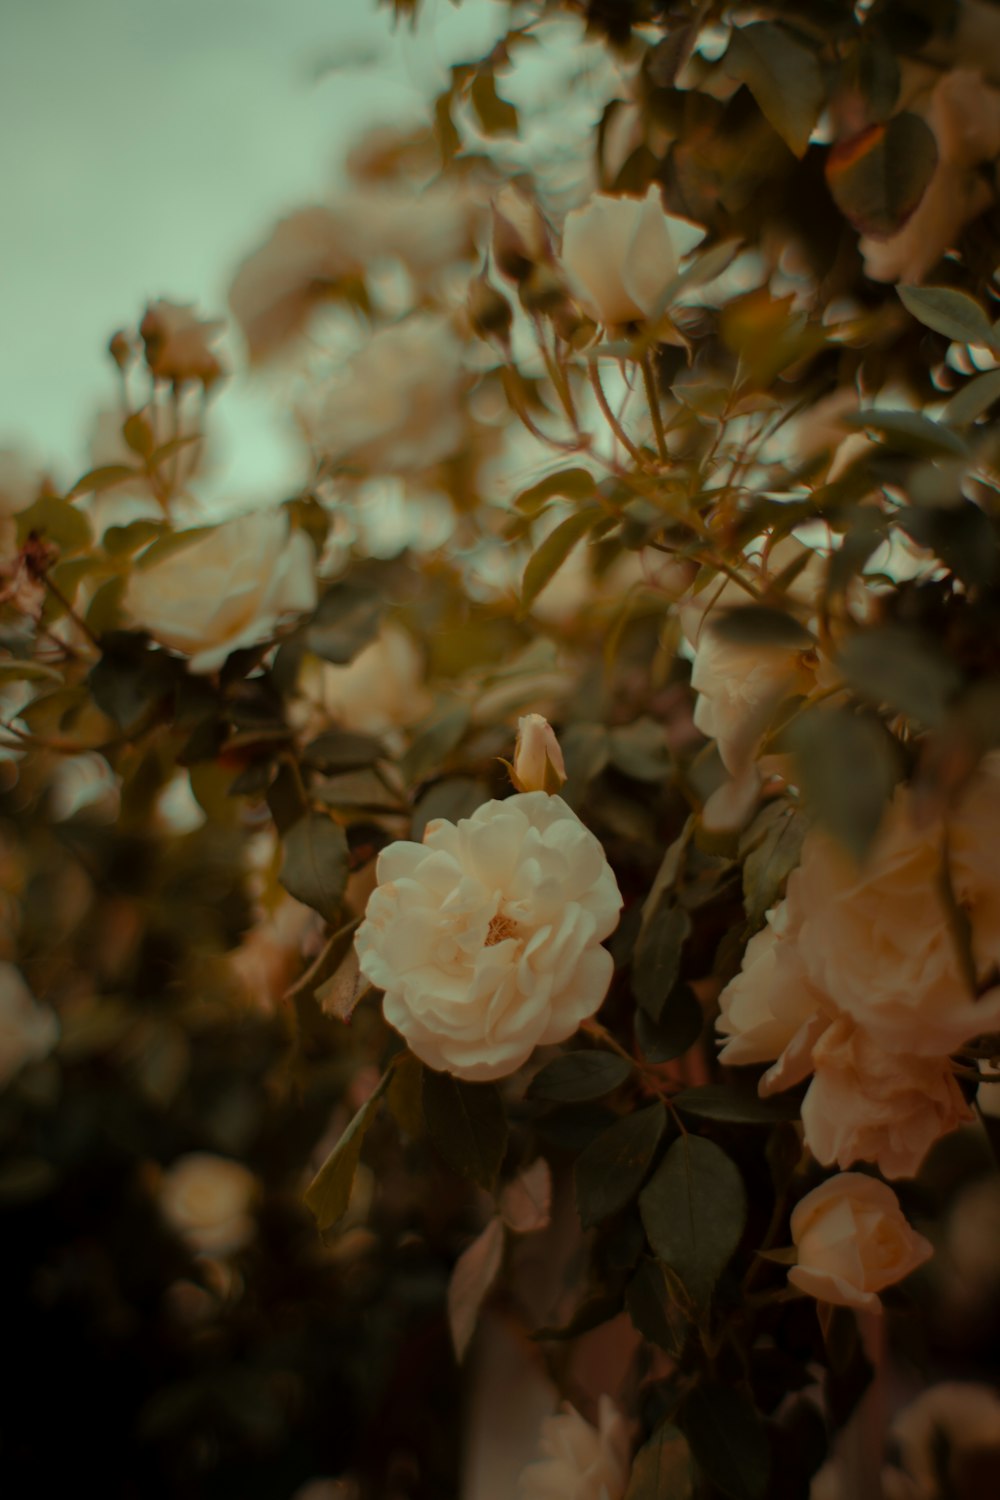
point(382, 688)
point(208, 1200)
point(486, 937)
point(28, 1031)
point(853, 1242)
point(620, 255)
point(963, 1419)
point(226, 589)
point(580, 1462)
point(538, 760)
point(396, 406)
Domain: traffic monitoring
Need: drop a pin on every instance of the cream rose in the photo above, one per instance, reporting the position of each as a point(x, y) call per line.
point(486, 937)
point(620, 255)
point(28, 1031)
point(226, 589)
point(853, 1242)
point(538, 760)
point(207, 1200)
point(382, 688)
point(580, 1462)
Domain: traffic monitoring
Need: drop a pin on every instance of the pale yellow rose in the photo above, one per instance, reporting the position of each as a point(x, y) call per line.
point(225, 590)
point(580, 1462)
point(963, 1419)
point(28, 1030)
point(853, 1242)
point(208, 1201)
point(620, 254)
point(486, 938)
point(538, 760)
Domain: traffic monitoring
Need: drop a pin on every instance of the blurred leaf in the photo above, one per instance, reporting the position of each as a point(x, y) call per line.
point(891, 665)
point(955, 314)
point(475, 1271)
point(735, 1104)
point(526, 1203)
point(878, 177)
point(573, 483)
point(405, 1096)
point(550, 555)
point(679, 1026)
point(586, 751)
point(454, 798)
point(314, 863)
point(56, 521)
point(495, 115)
point(434, 744)
point(663, 1469)
point(329, 1193)
point(137, 430)
point(346, 987)
point(908, 431)
point(871, 71)
point(962, 535)
point(12, 670)
point(342, 750)
point(122, 541)
point(847, 767)
point(694, 1208)
point(654, 1310)
point(657, 957)
point(104, 478)
point(579, 1075)
point(758, 625)
point(467, 1123)
point(610, 1171)
point(127, 684)
point(770, 849)
point(640, 750)
point(784, 76)
point(728, 1440)
point(346, 619)
point(972, 399)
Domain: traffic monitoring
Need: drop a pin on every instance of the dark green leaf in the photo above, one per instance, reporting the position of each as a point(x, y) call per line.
point(574, 484)
point(908, 431)
point(955, 314)
point(434, 744)
point(330, 1190)
point(694, 1208)
point(973, 399)
point(586, 751)
point(550, 555)
point(657, 957)
point(847, 767)
point(467, 1124)
point(342, 750)
point(757, 625)
point(877, 178)
point(727, 1439)
point(577, 1076)
point(784, 76)
point(908, 672)
point(679, 1027)
point(654, 1309)
point(737, 1105)
point(454, 798)
point(640, 750)
point(314, 863)
point(663, 1468)
point(346, 618)
point(771, 848)
point(611, 1169)
point(962, 535)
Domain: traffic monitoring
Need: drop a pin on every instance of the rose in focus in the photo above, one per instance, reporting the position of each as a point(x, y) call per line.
point(853, 1241)
point(486, 938)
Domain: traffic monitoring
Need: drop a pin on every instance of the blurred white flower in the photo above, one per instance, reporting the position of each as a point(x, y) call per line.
point(28, 1030)
point(178, 344)
point(381, 689)
point(620, 255)
point(208, 1201)
point(580, 1462)
point(486, 938)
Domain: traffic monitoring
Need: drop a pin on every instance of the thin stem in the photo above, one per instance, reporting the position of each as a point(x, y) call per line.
point(653, 401)
point(634, 453)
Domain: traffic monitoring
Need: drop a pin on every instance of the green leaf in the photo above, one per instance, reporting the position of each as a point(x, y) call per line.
point(973, 399)
point(549, 557)
point(878, 177)
point(454, 798)
point(314, 863)
point(654, 1310)
point(467, 1123)
point(138, 433)
point(346, 619)
point(784, 76)
point(847, 767)
point(694, 1208)
point(640, 750)
point(329, 1193)
point(770, 849)
point(909, 432)
point(573, 484)
point(727, 1439)
point(104, 478)
point(734, 1105)
point(342, 750)
point(580, 1075)
point(955, 314)
point(122, 541)
point(56, 521)
point(891, 665)
point(657, 958)
point(611, 1169)
point(495, 115)
point(663, 1469)
point(962, 535)
point(758, 625)
point(678, 1028)
point(432, 746)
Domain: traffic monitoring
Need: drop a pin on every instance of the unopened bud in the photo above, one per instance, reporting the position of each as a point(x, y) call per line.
point(543, 292)
point(120, 348)
point(489, 311)
point(521, 238)
point(538, 760)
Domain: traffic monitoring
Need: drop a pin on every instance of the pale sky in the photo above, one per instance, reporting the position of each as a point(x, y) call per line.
point(145, 147)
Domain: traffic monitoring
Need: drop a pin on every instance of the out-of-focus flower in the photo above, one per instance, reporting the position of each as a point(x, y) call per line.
point(538, 760)
point(84, 784)
point(226, 589)
point(28, 1030)
point(380, 690)
point(486, 938)
point(395, 406)
point(208, 1201)
point(580, 1462)
point(853, 1241)
point(178, 344)
point(620, 255)
point(965, 117)
point(270, 954)
point(949, 1439)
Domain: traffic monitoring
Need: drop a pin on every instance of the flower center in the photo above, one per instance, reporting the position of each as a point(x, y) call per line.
point(500, 928)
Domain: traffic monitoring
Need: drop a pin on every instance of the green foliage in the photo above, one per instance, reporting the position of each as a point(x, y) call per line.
point(610, 1171)
point(694, 1210)
point(467, 1123)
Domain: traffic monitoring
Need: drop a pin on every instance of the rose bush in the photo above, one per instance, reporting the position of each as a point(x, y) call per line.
point(486, 937)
